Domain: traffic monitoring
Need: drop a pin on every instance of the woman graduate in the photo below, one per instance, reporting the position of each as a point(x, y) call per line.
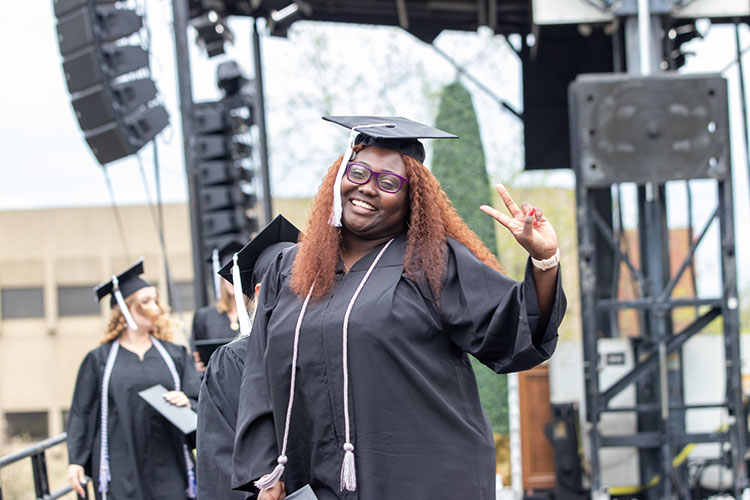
point(357, 379)
point(128, 448)
point(218, 322)
point(220, 390)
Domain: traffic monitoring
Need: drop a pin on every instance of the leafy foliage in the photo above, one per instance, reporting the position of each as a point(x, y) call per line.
point(460, 167)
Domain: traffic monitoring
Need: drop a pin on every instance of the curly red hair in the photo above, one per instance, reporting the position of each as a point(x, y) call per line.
point(431, 218)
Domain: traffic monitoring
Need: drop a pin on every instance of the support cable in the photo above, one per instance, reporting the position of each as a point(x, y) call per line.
point(158, 225)
point(461, 70)
point(116, 213)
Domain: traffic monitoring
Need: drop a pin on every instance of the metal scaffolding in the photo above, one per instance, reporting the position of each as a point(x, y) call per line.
point(681, 128)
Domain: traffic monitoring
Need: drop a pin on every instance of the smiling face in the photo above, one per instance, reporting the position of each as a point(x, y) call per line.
point(367, 212)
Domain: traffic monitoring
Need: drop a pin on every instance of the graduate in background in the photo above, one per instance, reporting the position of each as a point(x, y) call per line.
point(218, 321)
point(130, 450)
point(357, 379)
point(220, 390)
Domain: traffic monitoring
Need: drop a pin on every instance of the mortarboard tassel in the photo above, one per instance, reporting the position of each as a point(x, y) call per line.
point(337, 209)
point(239, 300)
point(216, 266)
point(121, 302)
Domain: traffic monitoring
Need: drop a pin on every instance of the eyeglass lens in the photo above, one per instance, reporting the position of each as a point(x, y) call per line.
point(359, 174)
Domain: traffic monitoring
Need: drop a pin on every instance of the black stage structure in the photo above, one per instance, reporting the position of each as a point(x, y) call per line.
point(677, 131)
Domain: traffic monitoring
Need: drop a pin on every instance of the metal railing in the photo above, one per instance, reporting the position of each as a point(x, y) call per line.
point(39, 468)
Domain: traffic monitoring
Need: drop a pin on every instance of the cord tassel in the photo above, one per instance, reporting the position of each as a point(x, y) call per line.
point(348, 472)
point(192, 489)
point(273, 477)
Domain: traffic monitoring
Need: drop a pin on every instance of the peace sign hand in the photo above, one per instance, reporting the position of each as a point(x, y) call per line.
point(527, 224)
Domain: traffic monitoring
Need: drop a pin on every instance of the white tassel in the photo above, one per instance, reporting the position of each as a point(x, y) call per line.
point(215, 265)
point(348, 472)
point(123, 306)
point(239, 300)
point(335, 219)
point(269, 480)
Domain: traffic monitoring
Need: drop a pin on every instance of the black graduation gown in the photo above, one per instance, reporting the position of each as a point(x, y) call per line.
point(217, 419)
point(419, 430)
point(146, 456)
point(208, 323)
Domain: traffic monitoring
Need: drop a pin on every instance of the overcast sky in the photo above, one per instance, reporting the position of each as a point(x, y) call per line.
point(44, 161)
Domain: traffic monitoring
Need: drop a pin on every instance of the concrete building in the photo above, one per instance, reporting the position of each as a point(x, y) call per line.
point(50, 260)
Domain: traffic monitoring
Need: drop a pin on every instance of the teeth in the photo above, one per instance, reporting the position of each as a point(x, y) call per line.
point(363, 204)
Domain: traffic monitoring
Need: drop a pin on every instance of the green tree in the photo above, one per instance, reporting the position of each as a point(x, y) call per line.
point(460, 167)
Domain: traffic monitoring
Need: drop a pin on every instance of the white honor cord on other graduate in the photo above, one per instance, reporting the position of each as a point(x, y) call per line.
point(123, 306)
point(104, 475)
point(104, 472)
point(239, 300)
point(192, 489)
point(348, 471)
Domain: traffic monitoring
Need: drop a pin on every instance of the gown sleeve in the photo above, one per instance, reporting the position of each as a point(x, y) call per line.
point(199, 328)
point(217, 417)
point(255, 446)
point(84, 411)
point(494, 318)
point(190, 382)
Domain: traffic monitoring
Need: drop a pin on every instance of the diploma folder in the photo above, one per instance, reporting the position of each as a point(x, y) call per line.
point(181, 417)
point(304, 493)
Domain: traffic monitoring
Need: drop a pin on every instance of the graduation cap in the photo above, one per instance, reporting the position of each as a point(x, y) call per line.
point(389, 132)
point(249, 264)
point(219, 258)
point(123, 286)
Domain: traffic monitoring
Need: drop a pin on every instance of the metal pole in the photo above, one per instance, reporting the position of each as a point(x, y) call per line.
point(182, 57)
point(644, 36)
point(260, 121)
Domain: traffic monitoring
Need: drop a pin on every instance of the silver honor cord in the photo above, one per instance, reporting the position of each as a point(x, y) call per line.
point(239, 300)
point(123, 306)
point(217, 278)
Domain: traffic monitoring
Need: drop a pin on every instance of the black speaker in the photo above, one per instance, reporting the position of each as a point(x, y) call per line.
point(98, 105)
point(112, 94)
point(560, 53)
point(233, 220)
point(650, 129)
point(76, 30)
point(119, 139)
point(217, 172)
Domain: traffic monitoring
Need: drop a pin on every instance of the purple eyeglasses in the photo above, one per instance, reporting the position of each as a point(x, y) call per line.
point(387, 182)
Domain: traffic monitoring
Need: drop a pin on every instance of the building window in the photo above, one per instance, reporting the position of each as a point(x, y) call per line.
point(185, 296)
point(22, 303)
point(65, 417)
point(27, 425)
point(77, 301)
